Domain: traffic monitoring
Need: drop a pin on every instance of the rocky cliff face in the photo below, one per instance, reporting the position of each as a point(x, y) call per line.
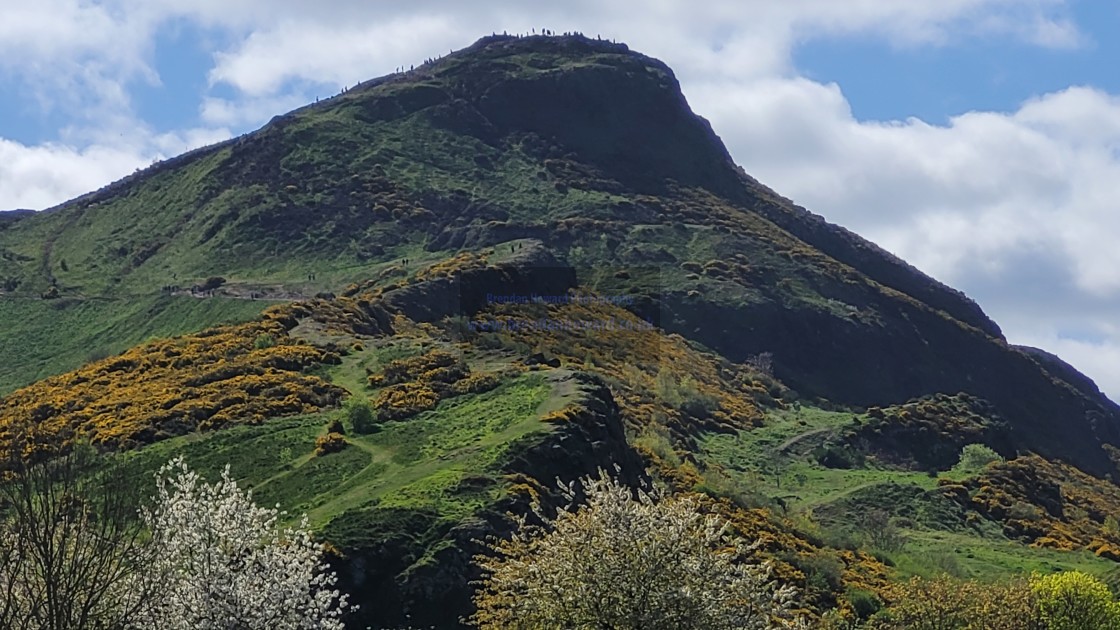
point(912, 353)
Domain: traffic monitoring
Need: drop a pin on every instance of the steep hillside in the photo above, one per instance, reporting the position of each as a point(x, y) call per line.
point(693, 326)
point(591, 148)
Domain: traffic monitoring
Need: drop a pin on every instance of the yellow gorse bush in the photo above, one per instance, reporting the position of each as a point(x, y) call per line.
point(946, 603)
point(1046, 503)
point(1073, 600)
point(417, 384)
point(170, 387)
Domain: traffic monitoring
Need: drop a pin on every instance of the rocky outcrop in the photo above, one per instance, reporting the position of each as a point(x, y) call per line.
point(533, 270)
point(929, 433)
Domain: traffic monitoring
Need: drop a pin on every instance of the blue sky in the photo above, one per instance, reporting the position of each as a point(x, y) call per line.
point(978, 139)
point(887, 82)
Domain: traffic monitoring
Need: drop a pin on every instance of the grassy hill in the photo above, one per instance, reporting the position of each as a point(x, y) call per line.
point(697, 329)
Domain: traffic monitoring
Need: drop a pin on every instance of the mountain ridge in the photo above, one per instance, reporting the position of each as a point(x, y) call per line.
point(808, 226)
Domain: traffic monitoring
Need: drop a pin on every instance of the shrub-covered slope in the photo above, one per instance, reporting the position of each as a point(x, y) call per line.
point(468, 423)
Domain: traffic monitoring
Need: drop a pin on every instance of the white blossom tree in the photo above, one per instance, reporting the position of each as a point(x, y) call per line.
point(224, 563)
point(620, 562)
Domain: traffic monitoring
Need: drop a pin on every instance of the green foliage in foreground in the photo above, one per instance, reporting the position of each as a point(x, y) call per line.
point(75, 554)
point(1074, 601)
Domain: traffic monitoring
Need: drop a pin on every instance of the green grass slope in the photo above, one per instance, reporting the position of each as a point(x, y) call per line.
point(417, 464)
point(394, 501)
point(797, 463)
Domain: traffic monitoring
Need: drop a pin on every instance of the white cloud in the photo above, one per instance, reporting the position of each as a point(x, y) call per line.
point(44, 175)
point(727, 38)
point(249, 111)
point(72, 55)
point(40, 176)
point(168, 145)
point(344, 55)
point(81, 55)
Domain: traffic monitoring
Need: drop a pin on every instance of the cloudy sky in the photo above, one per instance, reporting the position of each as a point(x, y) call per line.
point(978, 139)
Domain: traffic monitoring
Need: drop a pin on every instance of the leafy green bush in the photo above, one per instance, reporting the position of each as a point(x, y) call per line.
point(655, 439)
point(359, 412)
point(685, 396)
point(1023, 511)
point(715, 482)
point(263, 342)
point(840, 538)
point(946, 563)
point(698, 404)
point(864, 603)
point(974, 457)
point(212, 283)
point(838, 456)
point(824, 570)
point(882, 533)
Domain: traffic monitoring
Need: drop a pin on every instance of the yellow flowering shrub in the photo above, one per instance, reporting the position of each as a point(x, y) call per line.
point(564, 414)
point(786, 548)
point(437, 365)
point(476, 383)
point(447, 268)
point(398, 402)
point(946, 603)
point(1044, 502)
point(330, 443)
point(417, 384)
point(171, 387)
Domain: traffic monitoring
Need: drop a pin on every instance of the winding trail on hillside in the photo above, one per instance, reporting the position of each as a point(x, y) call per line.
point(785, 446)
